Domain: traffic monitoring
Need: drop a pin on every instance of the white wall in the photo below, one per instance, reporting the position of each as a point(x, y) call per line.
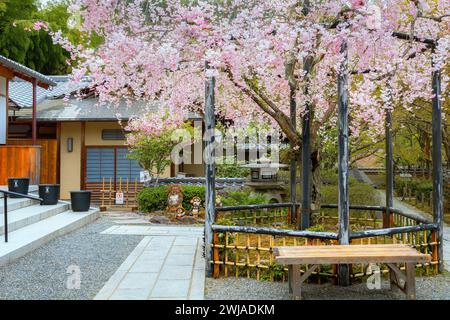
point(3, 111)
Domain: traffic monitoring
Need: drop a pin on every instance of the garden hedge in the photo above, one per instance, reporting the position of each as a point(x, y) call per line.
point(155, 198)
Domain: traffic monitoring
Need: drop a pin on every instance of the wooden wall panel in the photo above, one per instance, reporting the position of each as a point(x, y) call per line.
point(48, 158)
point(19, 162)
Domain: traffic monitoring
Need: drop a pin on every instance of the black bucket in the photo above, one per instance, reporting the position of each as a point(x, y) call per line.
point(18, 185)
point(49, 193)
point(80, 200)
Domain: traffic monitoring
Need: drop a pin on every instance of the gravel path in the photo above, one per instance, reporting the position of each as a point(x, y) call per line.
point(42, 274)
point(428, 288)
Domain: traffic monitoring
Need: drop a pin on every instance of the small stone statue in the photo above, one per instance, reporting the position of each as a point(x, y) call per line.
point(196, 205)
point(175, 199)
point(180, 213)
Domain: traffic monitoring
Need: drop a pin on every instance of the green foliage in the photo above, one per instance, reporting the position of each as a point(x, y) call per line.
point(229, 167)
point(242, 198)
point(415, 185)
point(360, 193)
point(35, 49)
point(153, 152)
point(190, 192)
point(155, 198)
point(152, 198)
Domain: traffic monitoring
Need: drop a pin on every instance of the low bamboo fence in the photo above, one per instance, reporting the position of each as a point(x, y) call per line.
point(250, 255)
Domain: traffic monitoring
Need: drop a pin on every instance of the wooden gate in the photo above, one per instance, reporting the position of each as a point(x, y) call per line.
point(106, 195)
point(49, 165)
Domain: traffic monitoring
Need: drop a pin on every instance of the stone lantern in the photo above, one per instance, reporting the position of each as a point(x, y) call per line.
point(264, 179)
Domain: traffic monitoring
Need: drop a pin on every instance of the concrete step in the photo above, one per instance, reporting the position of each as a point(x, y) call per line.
point(16, 203)
point(33, 189)
point(31, 237)
point(25, 216)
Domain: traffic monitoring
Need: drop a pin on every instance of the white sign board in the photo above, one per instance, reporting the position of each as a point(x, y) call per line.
point(119, 197)
point(144, 176)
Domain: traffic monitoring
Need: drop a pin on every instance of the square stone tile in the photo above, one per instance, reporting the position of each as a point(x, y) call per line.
point(170, 289)
point(179, 260)
point(183, 250)
point(175, 273)
point(185, 241)
point(130, 294)
point(138, 281)
point(147, 266)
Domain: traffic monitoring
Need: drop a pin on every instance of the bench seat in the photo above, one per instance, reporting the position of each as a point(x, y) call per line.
point(389, 254)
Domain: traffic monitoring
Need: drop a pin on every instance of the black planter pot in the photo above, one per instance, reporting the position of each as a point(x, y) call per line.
point(18, 185)
point(80, 200)
point(49, 193)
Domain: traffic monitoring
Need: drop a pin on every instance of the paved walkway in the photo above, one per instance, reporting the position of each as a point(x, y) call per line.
point(411, 209)
point(167, 264)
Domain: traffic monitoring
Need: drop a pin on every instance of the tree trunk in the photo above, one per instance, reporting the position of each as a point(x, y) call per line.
point(315, 187)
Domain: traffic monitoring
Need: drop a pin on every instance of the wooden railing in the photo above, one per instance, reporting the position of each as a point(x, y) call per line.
point(246, 249)
point(20, 162)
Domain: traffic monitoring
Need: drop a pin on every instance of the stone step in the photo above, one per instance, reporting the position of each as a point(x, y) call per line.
point(25, 216)
point(16, 203)
point(31, 237)
point(33, 189)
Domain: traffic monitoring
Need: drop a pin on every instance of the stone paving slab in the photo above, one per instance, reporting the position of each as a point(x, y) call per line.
point(167, 264)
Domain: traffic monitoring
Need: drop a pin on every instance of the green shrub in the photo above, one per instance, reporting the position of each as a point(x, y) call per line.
point(152, 198)
point(192, 191)
point(360, 193)
point(242, 198)
point(155, 198)
point(415, 185)
point(231, 170)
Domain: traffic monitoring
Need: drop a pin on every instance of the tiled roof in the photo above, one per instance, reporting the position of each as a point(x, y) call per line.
point(51, 105)
point(199, 181)
point(11, 64)
point(21, 92)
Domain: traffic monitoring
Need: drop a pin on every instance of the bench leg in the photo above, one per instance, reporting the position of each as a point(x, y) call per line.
point(294, 282)
point(410, 285)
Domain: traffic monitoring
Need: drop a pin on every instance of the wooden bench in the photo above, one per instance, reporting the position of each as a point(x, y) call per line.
point(389, 254)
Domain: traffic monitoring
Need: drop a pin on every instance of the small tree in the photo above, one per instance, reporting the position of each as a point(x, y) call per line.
point(152, 148)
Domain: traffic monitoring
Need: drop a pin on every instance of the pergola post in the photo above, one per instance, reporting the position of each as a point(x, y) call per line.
point(438, 201)
point(343, 155)
point(389, 171)
point(33, 119)
point(306, 168)
point(306, 144)
point(293, 167)
point(210, 194)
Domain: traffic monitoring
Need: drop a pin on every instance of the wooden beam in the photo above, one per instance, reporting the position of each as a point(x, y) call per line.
point(306, 143)
point(5, 72)
point(343, 156)
point(438, 201)
point(34, 114)
point(83, 157)
point(293, 164)
point(276, 232)
point(389, 171)
point(210, 194)
point(392, 231)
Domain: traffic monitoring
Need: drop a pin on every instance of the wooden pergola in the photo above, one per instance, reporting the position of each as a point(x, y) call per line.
point(344, 236)
point(16, 159)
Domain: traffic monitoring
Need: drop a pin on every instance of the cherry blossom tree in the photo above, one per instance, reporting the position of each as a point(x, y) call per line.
point(265, 56)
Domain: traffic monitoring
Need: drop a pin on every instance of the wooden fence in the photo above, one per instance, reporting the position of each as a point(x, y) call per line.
point(48, 158)
point(104, 193)
point(250, 254)
point(19, 162)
